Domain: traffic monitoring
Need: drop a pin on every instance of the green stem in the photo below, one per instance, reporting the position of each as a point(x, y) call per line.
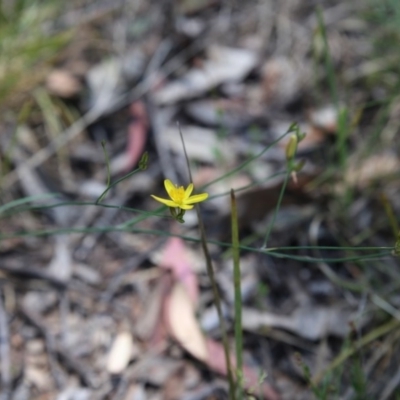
point(216, 294)
point(115, 183)
point(238, 297)
point(123, 228)
point(103, 144)
point(278, 205)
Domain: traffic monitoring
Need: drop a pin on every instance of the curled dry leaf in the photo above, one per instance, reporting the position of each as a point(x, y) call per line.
point(137, 133)
point(182, 323)
point(184, 327)
point(120, 353)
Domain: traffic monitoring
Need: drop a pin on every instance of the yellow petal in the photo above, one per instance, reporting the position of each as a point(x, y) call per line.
point(196, 198)
point(169, 186)
point(188, 191)
point(167, 202)
point(185, 207)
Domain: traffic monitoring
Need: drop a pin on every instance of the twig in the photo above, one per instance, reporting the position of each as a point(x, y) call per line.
point(157, 118)
point(4, 352)
point(158, 122)
point(33, 273)
point(64, 310)
point(116, 280)
point(82, 371)
point(238, 297)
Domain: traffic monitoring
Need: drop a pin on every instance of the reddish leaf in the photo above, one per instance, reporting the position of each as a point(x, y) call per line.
point(137, 134)
point(175, 258)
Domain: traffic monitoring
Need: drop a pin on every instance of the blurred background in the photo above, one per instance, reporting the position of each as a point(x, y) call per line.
point(111, 299)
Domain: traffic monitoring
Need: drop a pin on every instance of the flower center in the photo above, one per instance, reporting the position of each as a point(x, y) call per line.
point(178, 194)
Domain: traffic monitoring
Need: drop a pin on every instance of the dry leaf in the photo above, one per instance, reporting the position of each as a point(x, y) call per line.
point(155, 369)
point(63, 84)
point(372, 169)
point(325, 118)
point(38, 377)
point(120, 353)
point(202, 144)
point(175, 258)
point(149, 319)
point(61, 263)
point(283, 80)
point(183, 324)
point(224, 65)
point(311, 323)
point(137, 136)
point(218, 113)
point(186, 330)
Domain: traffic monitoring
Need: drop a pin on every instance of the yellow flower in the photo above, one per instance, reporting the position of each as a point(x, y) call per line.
point(180, 197)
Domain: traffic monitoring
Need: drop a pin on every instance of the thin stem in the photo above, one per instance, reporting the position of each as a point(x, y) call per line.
point(278, 205)
point(238, 297)
point(248, 161)
point(216, 294)
point(123, 228)
point(115, 183)
point(103, 144)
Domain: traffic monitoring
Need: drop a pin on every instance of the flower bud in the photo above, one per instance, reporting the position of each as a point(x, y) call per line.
point(143, 161)
point(291, 148)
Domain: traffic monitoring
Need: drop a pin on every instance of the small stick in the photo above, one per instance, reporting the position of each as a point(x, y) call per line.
point(4, 352)
point(238, 296)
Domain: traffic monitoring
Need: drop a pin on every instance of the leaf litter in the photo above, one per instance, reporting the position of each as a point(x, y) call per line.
point(106, 314)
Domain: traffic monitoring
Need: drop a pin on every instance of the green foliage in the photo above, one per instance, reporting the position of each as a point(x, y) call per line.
point(25, 43)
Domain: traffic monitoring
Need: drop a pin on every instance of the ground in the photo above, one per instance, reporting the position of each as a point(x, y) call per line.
point(106, 293)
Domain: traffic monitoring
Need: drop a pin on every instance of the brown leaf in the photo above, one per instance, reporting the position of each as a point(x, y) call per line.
point(184, 327)
point(182, 323)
